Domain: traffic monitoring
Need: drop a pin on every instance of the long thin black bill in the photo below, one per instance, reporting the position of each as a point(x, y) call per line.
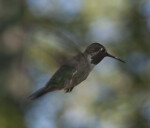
point(109, 55)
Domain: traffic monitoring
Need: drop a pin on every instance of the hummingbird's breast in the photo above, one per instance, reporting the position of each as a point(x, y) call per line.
point(82, 70)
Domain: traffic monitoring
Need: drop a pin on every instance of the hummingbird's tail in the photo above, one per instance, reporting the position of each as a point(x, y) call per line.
point(40, 92)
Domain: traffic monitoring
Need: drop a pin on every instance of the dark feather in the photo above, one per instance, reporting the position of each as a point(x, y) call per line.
point(40, 92)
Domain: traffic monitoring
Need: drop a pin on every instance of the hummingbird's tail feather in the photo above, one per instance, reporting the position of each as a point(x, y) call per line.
point(40, 93)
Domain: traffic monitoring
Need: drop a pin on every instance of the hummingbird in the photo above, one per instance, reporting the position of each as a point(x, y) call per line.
point(75, 70)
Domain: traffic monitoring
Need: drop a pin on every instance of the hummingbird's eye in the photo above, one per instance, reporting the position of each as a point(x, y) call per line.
point(102, 50)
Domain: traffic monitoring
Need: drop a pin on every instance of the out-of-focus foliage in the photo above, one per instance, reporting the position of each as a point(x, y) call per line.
point(37, 36)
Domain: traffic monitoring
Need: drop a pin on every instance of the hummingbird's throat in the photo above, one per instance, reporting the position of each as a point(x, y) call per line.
point(94, 60)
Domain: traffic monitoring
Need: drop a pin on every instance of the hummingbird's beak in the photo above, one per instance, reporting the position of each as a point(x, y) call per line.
point(109, 55)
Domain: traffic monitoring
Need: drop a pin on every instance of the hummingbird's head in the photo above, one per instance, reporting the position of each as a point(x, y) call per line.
point(96, 52)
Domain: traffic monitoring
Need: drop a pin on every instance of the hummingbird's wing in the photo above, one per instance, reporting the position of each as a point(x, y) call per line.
point(62, 78)
point(68, 42)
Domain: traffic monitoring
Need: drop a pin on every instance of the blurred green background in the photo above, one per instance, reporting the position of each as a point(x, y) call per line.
point(36, 36)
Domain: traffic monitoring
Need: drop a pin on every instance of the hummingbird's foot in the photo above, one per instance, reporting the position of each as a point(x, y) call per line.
point(68, 90)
